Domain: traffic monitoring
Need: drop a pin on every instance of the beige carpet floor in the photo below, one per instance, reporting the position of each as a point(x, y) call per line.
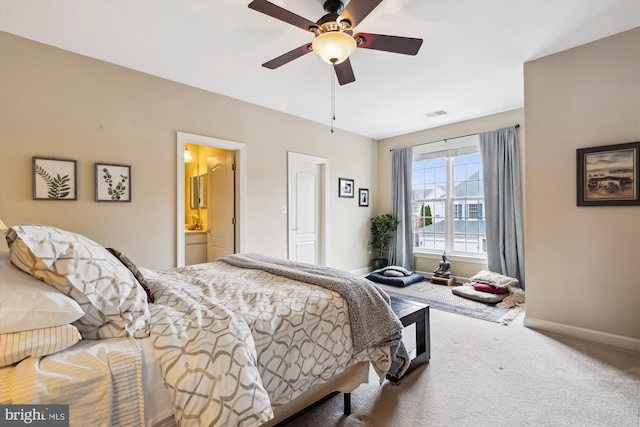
point(487, 374)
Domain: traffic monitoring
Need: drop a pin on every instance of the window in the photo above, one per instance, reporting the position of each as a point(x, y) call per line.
point(448, 198)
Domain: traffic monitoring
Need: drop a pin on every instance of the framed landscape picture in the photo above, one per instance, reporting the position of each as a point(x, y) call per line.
point(113, 183)
point(54, 179)
point(608, 175)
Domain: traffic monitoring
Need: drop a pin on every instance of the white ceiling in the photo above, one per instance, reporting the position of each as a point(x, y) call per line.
point(470, 64)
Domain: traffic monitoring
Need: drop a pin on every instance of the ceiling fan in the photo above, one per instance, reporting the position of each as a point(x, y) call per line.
point(334, 40)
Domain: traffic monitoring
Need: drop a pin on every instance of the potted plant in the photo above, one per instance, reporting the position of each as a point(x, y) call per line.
point(382, 228)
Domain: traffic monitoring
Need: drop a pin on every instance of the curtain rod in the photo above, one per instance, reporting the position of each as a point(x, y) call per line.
point(455, 137)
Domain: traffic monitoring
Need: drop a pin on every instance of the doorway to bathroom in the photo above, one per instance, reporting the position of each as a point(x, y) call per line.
point(210, 194)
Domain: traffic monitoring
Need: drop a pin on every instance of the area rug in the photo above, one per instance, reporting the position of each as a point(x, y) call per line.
point(440, 297)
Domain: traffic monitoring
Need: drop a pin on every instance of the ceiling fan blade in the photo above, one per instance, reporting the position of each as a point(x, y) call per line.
point(395, 44)
point(357, 10)
point(288, 57)
point(277, 12)
point(344, 72)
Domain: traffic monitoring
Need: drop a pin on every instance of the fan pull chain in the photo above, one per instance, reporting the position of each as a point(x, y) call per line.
point(333, 96)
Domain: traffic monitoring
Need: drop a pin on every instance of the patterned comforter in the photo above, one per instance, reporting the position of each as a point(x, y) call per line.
point(234, 342)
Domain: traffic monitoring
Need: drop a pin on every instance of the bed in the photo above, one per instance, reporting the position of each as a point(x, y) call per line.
point(247, 340)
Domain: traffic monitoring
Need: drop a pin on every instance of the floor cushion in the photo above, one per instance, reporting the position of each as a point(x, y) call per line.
point(472, 294)
point(396, 281)
point(483, 287)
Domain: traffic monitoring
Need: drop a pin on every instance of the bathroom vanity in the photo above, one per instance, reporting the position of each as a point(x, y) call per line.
point(195, 247)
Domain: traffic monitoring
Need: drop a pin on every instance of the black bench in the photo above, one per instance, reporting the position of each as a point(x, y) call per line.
point(410, 312)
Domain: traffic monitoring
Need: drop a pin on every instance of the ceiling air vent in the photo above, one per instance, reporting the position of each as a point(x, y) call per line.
point(435, 113)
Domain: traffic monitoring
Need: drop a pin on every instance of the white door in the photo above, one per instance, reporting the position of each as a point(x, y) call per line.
point(307, 209)
point(221, 206)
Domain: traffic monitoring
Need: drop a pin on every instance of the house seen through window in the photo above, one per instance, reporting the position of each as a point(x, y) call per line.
point(448, 198)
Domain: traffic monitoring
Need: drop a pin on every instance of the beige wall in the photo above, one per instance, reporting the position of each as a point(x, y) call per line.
point(460, 269)
point(58, 104)
point(582, 263)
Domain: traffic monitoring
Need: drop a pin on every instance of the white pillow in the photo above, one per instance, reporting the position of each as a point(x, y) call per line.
point(36, 343)
point(27, 303)
point(393, 273)
point(495, 279)
point(114, 304)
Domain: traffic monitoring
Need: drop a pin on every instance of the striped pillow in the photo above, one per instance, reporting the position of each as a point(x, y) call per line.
point(115, 305)
point(17, 346)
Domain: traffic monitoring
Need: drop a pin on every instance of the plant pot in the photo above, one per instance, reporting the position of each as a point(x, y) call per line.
point(379, 263)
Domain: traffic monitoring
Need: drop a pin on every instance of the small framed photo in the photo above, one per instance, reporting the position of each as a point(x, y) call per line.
point(608, 175)
point(54, 179)
point(113, 183)
point(363, 198)
point(345, 187)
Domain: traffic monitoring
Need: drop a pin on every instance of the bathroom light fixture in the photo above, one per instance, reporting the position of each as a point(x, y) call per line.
point(187, 155)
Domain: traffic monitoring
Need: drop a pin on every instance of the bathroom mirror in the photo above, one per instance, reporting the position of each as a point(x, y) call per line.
point(199, 191)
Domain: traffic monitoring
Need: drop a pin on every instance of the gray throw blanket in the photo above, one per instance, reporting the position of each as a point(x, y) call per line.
point(373, 323)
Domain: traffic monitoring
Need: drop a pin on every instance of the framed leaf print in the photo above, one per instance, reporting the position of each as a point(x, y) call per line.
point(54, 179)
point(113, 183)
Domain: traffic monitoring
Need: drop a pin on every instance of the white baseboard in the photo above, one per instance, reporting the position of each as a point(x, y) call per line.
point(628, 343)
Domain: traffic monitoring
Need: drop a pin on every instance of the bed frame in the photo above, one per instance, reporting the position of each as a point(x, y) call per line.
point(345, 382)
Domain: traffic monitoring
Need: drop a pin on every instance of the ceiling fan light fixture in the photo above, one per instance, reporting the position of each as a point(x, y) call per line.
point(334, 47)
